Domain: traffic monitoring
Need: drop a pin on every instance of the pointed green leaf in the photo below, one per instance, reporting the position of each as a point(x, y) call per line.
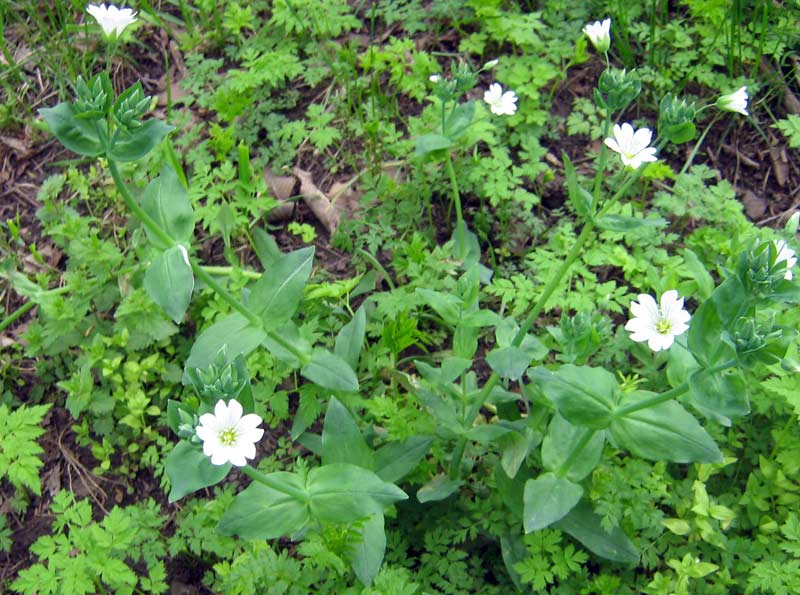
point(395, 460)
point(438, 488)
point(342, 441)
point(263, 512)
point(583, 395)
point(341, 493)
point(169, 282)
point(367, 555)
point(561, 439)
point(330, 371)
point(79, 135)
point(167, 202)
point(547, 499)
point(664, 432)
point(235, 331)
point(350, 339)
point(427, 143)
point(585, 526)
point(189, 470)
point(278, 293)
point(139, 142)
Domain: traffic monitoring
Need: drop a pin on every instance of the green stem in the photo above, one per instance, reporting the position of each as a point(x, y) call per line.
point(224, 270)
point(461, 247)
point(198, 270)
point(697, 145)
point(667, 396)
point(573, 455)
point(547, 292)
point(27, 306)
point(274, 484)
point(137, 210)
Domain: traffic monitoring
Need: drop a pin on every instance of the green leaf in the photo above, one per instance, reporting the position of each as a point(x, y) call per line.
point(167, 202)
point(628, 223)
point(728, 302)
point(446, 305)
point(263, 512)
point(189, 470)
point(561, 439)
point(585, 526)
point(139, 142)
point(330, 371)
point(516, 445)
point(438, 488)
point(342, 493)
point(234, 331)
point(514, 551)
point(350, 339)
point(173, 413)
point(719, 396)
point(459, 120)
point(277, 294)
point(583, 395)
point(663, 432)
point(393, 461)
point(169, 282)
point(342, 441)
point(547, 499)
point(289, 332)
point(367, 556)
point(428, 143)
point(509, 362)
point(581, 199)
point(79, 135)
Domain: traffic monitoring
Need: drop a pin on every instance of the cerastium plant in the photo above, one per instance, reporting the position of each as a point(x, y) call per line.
point(582, 407)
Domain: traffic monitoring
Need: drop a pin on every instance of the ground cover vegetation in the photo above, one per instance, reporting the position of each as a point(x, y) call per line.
point(400, 297)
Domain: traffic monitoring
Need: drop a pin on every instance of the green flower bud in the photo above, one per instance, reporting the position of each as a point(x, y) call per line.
point(93, 99)
point(131, 106)
point(617, 88)
point(220, 380)
point(676, 119)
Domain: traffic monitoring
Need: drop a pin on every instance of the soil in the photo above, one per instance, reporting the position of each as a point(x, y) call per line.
point(749, 154)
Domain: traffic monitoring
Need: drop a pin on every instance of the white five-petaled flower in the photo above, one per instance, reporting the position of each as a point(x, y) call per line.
point(599, 33)
point(502, 104)
point(111, 19)
point(734, 102)
point(785, 254)
point(227, 435)
point(633, 147)
point(658, 325)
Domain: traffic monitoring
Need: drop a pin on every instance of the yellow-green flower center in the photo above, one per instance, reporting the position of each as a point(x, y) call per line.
point(228, 437)
point(663, 326)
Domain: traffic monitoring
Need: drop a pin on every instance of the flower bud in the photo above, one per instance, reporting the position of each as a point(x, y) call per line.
point(93, 99)
point(220, 380)
point(131, 106)
point(734, 102)
point(617, 88)
point(676, 119)
point(599, 33)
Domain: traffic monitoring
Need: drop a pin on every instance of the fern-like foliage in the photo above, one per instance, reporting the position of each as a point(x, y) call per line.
point(19, 451)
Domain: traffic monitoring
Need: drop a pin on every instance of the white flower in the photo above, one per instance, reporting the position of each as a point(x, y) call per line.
point(502, 104)
point(658, 325)
point(111, 19)
point(785, 254)
point(435, 78)
point(229, 436)
point(599, 33)
point(633, 147)
point(734, 102)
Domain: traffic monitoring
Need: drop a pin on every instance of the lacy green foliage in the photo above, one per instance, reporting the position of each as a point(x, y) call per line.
point(550, 562)
point(790, 127)
point(5, 535)
point(196, 528)
point(83, 556)
point(19, 449)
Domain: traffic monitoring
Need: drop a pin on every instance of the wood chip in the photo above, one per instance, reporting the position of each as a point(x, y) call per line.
point(754, 206)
